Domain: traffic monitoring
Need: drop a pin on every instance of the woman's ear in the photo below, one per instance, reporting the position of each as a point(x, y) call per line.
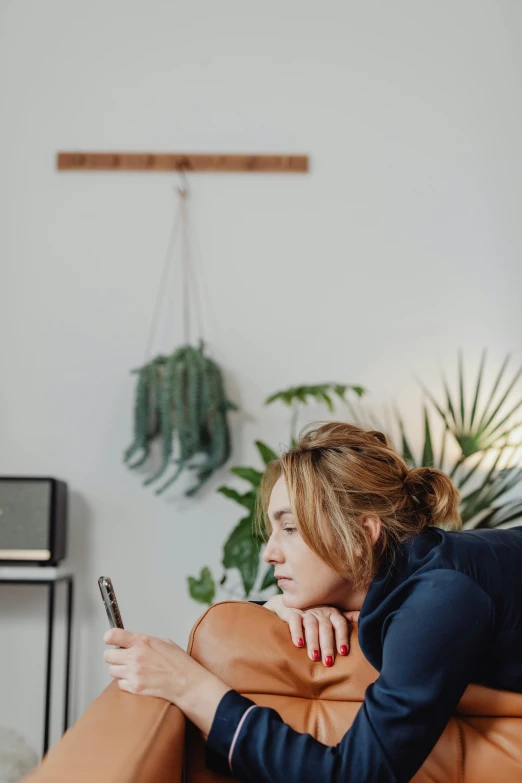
point(373, 524)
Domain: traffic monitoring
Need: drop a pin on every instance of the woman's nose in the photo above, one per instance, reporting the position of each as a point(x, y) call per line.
point(270, 555)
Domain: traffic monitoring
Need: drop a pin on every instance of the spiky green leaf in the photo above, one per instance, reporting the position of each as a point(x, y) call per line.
point(320, 392)
point(477, 388)
point(247, 499)
point(267, 454)
point(248, 474)
point(407, 452)
point(462, 395)
point(427, 451)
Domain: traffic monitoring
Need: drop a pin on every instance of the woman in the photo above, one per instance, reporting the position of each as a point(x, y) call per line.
point(353, 531)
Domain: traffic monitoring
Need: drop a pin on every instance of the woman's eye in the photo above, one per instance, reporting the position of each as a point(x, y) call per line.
point(289, 529)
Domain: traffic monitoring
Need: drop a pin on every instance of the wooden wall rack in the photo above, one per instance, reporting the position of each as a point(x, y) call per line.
point(137, 161)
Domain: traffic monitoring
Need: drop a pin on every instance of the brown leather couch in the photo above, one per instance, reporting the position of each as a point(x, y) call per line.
point(123, 738)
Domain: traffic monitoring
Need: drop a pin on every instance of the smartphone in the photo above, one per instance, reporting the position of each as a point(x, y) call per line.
point(109, 599)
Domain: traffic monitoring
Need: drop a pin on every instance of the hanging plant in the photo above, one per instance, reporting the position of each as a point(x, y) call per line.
point(180, 398)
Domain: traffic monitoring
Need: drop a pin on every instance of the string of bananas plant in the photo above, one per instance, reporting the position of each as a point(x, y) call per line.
point(180, 398)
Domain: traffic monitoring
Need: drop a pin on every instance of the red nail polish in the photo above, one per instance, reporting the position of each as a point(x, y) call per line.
point(300, 642)
point(344, 649)
point(328, 660)
point(315, 654)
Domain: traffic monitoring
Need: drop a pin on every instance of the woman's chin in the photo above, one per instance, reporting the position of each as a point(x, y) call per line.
point(302, 603)
point(292, 602)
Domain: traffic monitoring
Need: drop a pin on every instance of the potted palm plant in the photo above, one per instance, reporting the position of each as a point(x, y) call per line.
point(473, 440)
point(477, 446)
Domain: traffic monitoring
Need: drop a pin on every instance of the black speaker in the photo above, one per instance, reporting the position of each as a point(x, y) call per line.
point(33, 520)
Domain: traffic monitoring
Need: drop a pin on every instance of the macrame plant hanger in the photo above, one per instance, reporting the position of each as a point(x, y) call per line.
point(189, 281)
point(180, 397)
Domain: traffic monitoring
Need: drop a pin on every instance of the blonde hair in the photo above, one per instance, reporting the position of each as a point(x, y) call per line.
point(337, 472)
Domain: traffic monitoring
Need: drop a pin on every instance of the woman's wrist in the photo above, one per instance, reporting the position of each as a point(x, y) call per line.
point(273, 603)
point(199, 695)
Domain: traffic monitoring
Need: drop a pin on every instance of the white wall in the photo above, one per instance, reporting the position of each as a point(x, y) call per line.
point(402, 244)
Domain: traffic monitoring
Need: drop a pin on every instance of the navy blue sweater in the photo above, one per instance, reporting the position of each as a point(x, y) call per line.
point(448, 612)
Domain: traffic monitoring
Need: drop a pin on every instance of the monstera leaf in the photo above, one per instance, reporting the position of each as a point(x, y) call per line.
point(241, 550)
point(202, 589)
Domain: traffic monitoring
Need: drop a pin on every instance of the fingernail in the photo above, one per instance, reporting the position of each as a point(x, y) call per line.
point(315, 655)
point(300, 642)
point(344, 649)
point(328, 660)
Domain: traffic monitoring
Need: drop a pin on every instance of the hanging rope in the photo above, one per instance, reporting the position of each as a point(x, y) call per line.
point(182, 393)
point(163, 283)
point(189, 281)
point(194, 286)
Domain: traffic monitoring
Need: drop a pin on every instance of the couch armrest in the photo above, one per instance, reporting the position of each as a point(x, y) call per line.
point(120, 738)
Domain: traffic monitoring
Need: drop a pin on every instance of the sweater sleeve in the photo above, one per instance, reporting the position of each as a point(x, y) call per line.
point(432, 643)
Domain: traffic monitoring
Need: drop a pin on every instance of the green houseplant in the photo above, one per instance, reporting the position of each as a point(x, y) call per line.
point(477, 429)
point(180, 404)
point(470, 430)
point(181, 398)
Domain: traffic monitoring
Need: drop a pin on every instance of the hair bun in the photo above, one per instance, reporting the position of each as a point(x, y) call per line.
point(435, 496)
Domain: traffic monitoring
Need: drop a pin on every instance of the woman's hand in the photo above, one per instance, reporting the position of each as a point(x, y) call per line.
point(145, 664)
point(150, 666)
point(315, 627)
